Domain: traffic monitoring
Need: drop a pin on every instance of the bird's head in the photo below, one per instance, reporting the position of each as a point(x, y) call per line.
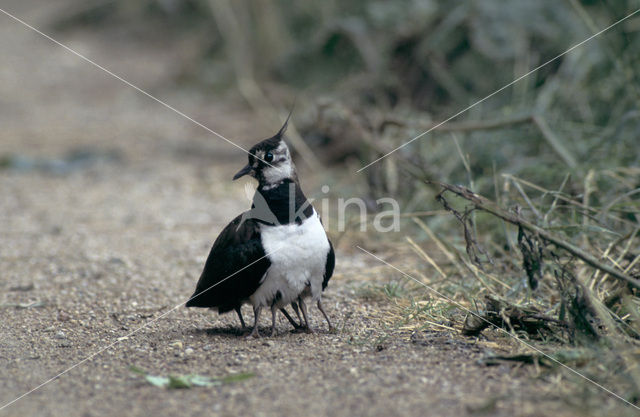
point(270, 161)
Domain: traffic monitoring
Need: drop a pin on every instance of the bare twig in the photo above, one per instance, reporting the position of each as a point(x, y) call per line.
point(555, 143)
point(561, 197)
point(588, 189)
point(527, 200)
point(480, 124)
point(616, 200)
point(545, 220)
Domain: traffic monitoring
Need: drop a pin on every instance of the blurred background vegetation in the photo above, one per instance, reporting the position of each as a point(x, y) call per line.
point(370, 75)
point(559, 148)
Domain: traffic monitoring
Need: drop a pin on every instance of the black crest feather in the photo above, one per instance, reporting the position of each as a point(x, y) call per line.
point(283, 129)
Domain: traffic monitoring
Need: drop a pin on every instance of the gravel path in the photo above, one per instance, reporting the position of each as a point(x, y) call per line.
point(109, 206)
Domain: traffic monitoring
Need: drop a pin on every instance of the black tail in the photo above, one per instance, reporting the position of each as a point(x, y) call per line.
point(196, 300)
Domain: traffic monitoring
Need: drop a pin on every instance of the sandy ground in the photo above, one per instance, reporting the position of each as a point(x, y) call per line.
point(108, 209)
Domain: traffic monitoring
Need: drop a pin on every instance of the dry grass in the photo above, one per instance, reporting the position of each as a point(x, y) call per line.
point(574, 311)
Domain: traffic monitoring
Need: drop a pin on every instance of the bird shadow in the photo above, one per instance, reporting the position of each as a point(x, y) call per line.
point(228, 332)
point(237, 332)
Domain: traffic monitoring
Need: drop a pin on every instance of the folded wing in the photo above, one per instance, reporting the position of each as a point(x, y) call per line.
point(233, 269)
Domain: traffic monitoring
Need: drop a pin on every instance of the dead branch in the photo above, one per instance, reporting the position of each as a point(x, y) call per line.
point(473, 248)
point(482, 203)
point(503, 314)
point(462, 126)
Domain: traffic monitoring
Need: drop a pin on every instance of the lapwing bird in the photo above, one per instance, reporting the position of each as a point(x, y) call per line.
point(273, 255)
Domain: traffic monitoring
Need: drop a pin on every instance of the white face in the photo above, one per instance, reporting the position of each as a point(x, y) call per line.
point(280, 168)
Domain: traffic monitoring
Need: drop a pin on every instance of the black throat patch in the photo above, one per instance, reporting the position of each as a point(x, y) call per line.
point(284, 203)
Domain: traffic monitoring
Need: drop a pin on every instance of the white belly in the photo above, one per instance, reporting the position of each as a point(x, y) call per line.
point(298, 255)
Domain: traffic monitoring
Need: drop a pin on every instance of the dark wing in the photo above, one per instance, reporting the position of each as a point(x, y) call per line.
point(330, 265)
point(233, 269)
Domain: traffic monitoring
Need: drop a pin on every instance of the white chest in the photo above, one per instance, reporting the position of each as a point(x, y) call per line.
point(298, 255)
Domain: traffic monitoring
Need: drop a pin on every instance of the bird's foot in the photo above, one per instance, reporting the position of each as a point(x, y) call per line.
point(299, 329)
point(255, 334)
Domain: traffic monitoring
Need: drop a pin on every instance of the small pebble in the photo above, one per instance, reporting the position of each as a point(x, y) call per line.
point(60, 335)
point(188, 351)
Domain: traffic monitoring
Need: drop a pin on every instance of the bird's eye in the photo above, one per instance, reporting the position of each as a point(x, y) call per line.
point(268, 157)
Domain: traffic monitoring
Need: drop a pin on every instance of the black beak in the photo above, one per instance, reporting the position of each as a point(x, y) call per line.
point(244, 171)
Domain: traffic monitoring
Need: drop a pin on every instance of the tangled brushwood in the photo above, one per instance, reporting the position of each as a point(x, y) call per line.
point(544, 253)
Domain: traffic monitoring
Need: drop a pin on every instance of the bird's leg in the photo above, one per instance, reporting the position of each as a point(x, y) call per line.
point(256, 314)
point(294, 305)
point(321, 308)
point(239, 311)
point(273, 321)
point(303, 307)
point(291, 320)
